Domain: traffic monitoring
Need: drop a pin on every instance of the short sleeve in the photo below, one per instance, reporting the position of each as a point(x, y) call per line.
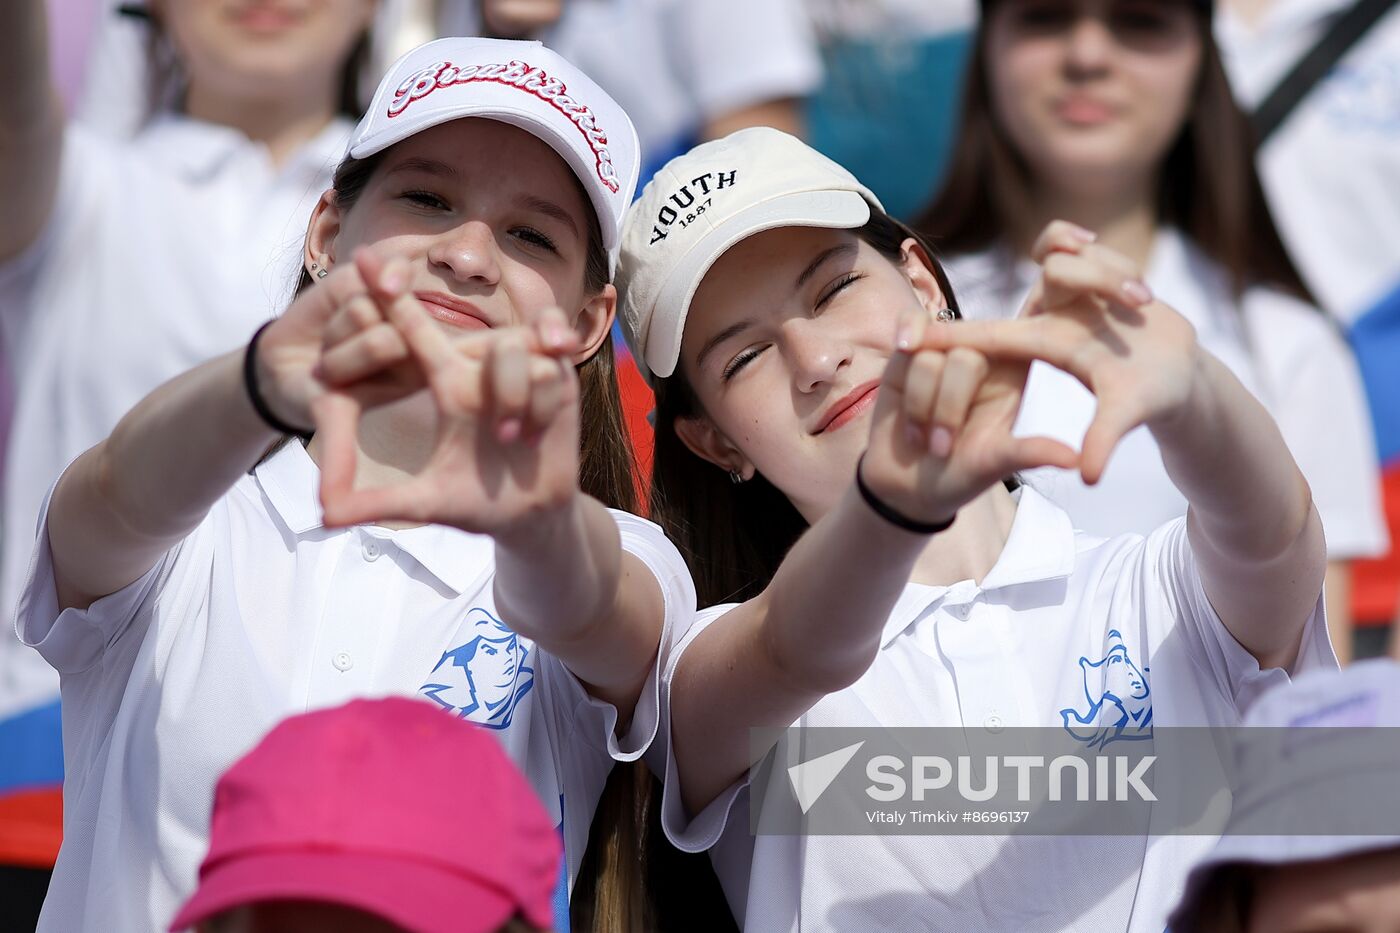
point(1170, 567)
point(769, 52)
point(702, 832)
point(596, 719)
point(73, 640)
point(1314, 392)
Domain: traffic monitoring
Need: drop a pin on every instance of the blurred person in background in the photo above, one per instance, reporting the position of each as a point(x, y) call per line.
point(1331, 170)
point(1116, 114)
point(1309, 882)
point(324, 828)
point(125, 262)
point(684, 71)
point(887, 106)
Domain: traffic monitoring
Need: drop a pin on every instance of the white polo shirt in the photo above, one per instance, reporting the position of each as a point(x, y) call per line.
point(1285, 352)
point(160, 254)
point(1014, 651)
point(262, 613)
point(1332, 169)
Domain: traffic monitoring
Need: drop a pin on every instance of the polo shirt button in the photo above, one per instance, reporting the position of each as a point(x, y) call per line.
point(372, 550)
point(342, 662)
point(993, 723)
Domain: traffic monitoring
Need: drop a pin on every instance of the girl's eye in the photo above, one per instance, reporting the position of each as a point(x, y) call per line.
point(840, 285)
point(738, 363)
point(536, 238)
point(425, 199)
point(1043, 14)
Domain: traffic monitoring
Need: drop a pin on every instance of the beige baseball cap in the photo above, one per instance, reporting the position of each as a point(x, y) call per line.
point(523, 84)
point(702, 203)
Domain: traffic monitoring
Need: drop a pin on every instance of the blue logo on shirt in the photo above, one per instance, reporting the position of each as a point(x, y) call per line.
point(485, 679)
point(1120, 702)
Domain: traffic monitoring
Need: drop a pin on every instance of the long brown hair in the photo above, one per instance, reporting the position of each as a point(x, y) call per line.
point(1208, 186)
point(734, 536)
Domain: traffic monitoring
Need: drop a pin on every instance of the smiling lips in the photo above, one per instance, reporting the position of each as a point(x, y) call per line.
point(1081, 110)
point(848, 408)
point(266, 17)
point(454, 311)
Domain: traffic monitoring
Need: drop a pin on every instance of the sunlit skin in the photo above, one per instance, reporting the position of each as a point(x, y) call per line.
point(767, 388)
point(1360, 894)
point(1092, 93)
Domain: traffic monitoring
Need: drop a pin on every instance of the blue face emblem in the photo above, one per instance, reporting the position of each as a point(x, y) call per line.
point(484, 679)
point(1119, 699)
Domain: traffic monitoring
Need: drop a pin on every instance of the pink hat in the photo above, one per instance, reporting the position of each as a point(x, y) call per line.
point(386, 806)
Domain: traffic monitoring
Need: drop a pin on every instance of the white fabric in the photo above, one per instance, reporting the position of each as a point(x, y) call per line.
point(160, 254)
point(1006, 653)
point(1332, 169)
point(262, 613)
point(674, 64)
point(1286, 353)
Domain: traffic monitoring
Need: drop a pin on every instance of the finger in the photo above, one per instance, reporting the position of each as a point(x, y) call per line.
point(921, 392)
point(547, 395)
point(1107, 429)
point(364, 355)
point(962, 377)
point(909, 329)
point(336, 417)
point(358, 314)
point(508, 376)
point(426, 341)
point(1060, 236)
point(553, 333)
point(1068, 279)
point(1027, 453)
point(410, 502)
point(385, 277)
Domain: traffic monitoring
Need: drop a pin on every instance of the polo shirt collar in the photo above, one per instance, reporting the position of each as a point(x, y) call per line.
point(1040, 547)
point(291, 481)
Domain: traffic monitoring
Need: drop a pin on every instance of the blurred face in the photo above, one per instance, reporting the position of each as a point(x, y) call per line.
point(1092, 91)
point(1360, 894)
point(492, 223)
point(257, 48)
point(785, 345)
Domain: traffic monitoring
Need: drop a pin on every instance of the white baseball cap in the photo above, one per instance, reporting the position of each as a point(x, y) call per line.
point(523, 84)
point(1320, 755)
point(704, 202)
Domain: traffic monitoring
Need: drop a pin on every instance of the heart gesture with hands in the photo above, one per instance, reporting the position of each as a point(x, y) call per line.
point(1091, 315)
point(506, 400)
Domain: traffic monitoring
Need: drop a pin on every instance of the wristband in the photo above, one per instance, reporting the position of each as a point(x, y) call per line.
point(893, 517)
point(250, 385)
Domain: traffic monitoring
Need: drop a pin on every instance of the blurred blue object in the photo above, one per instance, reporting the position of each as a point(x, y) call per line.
point(888, 111)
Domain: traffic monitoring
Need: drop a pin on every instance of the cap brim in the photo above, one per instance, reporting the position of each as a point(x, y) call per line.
point(548, 131)
point(418, 896)
point(837, 210)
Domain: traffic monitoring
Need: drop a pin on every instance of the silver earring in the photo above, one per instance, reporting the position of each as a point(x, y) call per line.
point(947, 314)
point(320, 273)
point(736, 477)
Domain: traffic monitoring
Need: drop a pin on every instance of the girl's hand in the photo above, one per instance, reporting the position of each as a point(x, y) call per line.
point(335, 334)
point(507, 435)
point(1091, 316)
point(942, 427)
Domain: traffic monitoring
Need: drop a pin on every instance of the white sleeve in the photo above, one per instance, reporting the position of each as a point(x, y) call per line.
point(702, 832)
point(767, 52)
point(1169, 566)
point(595, 719)
point(1315, 395)
point(74, 640)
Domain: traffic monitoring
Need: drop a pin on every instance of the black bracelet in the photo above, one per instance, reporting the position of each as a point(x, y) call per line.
point(250, 385)
point(893, 517)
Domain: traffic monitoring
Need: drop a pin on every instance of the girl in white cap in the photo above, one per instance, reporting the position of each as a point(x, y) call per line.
point(833, 447)
point(191, 591)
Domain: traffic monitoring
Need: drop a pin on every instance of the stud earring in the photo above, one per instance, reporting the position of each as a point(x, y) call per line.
point(320, 273)
point(947, 314)
point(736, 477)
